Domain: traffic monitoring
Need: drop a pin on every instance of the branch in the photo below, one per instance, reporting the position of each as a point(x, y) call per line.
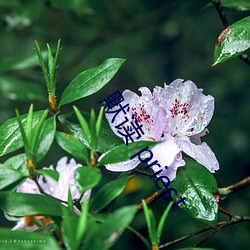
point(152, 198)
point(223, 192)
point(226, 23)
point(235, 220)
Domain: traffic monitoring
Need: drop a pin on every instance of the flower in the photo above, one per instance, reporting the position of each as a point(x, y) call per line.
point(176, 115)
point(58, 189)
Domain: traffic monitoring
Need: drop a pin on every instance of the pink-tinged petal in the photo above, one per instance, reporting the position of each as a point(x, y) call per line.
point(29, 187)
point(201, 153)
point(59, 189)
point(129, 97)
point(189, 110)
point(168, 155)
point(147, 113)
point(123, 166)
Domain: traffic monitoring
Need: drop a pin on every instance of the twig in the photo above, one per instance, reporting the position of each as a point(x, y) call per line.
point(223, 192)
point(226, 23)
point(235, 220)
point(224, 211)
point(185, 237)
point(152, 198)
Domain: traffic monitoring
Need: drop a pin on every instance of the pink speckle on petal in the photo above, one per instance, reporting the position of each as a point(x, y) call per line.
point(179, 109)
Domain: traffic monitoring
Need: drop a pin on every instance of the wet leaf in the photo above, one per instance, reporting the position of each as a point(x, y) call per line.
point(197, 184)
point(107, 138)
point(233, 41)
point(73, 146)
point(124, 152)
point(20, 204)
point(10, 135)
point(90, 81)
point(46, 138)
point(9, 175)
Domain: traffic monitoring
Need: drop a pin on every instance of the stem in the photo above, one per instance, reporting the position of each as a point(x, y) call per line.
point(224, 192)
point(152, 198)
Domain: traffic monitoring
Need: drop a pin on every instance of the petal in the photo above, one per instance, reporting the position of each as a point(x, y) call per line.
point(59, 189)
point(201, 153)
point(168, 154)
point(123, 166)
point(189, 110)
point(28, 186)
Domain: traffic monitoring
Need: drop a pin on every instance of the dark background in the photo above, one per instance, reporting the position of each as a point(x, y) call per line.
point(161, 41)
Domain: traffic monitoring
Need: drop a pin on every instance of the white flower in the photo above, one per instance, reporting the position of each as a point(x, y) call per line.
point(177, 116)
point(58, 189)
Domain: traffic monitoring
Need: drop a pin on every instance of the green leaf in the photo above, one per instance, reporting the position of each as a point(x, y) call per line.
point(241, 5)
point(99, 122)
point(16, 240)
point(74, 228)
point(10, 136)
point(73, 146)
point(53, 174)
point(20, 204)
point(87, 177)
point(197, 184)
point(90, 81)
point(8, 176)
point(92, 127)
point(108, 193)
point(84, 125)
point(18, 162)
point(123, 152)
point(69, 230)
point(46, 137)
point(151, 223)
point(162, 222)
point(104, 236)
point(233, 41)
point(107, 139)
point(19, 90)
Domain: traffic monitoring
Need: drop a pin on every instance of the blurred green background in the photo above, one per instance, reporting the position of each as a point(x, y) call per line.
point(161, 41)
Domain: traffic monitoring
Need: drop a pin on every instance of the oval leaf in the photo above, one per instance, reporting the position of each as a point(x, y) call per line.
point(87, 177)
point(46, 137)
point(10, 135)
point(124, 152)
point(108, 193)
point(90, 81)
point(20, 204)
point(73, 146)
point(107, 138)
point(233, 41)
point(197, 184)
point(8, 176)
